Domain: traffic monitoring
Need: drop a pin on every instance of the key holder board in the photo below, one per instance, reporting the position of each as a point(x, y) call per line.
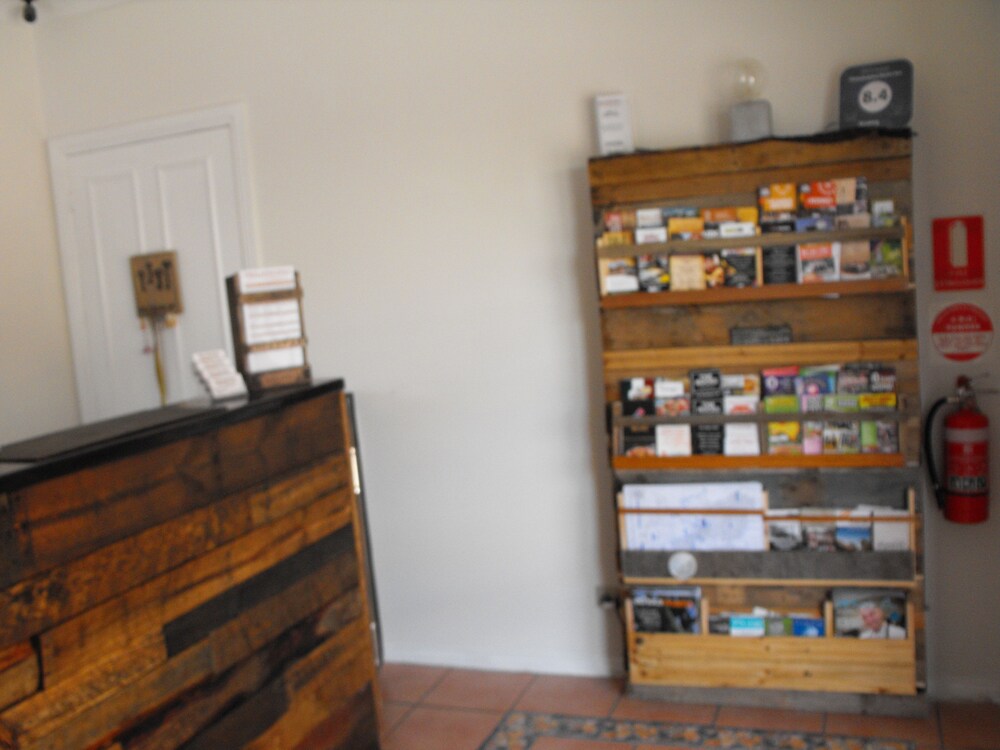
point(265, 310)
point(156, 284)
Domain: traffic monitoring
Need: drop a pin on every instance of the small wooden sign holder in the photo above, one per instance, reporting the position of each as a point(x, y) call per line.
point(249, 353)
point(156, 284)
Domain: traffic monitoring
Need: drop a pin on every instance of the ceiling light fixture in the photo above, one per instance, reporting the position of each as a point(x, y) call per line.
point(30, 14)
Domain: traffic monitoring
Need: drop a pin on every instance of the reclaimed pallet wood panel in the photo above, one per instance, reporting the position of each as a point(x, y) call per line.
point(52, 522)
point(48, 598)
point(670, 333)
point(19, 673)
point(233, 616)
point(117, 623)
point(880, 316)
point(730, 169)
point(791, 565)
point(827, 664)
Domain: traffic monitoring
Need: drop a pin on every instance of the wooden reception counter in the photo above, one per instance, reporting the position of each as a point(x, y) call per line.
point(187, 578)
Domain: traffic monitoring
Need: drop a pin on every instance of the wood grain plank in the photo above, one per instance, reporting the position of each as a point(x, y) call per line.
point(200, 708)
point(52, 522)
point(831, 664)
point(625, 364)
point(102, 679)
point(329, 679)
point(19, 673)
point(58, 520)
point(215, 709)
point(692, 190)
point(351, 726)
point(686, 163)
point(114, 625)
point(209, 658)
point(885, 316)
point(751, 294)
point(801, 565)
point(197, 624)
point(44, 600)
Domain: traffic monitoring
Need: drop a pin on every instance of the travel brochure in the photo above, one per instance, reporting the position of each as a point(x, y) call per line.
point(857, 613)
point(782, 208)
point(734, 516)
point(830, 409)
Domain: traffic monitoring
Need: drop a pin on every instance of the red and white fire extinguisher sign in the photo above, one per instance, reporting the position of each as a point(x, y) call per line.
point(963, 492)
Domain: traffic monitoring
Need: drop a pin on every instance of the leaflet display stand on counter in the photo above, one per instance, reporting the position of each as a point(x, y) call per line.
point(265, 309)
point(829, 293)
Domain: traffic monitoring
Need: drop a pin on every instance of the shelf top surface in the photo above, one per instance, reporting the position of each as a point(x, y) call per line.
point(68, 450)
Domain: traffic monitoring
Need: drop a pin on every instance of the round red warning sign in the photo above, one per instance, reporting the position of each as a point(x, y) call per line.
point(962, 332)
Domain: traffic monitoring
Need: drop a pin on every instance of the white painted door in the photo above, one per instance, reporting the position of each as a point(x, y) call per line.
point(177, 184)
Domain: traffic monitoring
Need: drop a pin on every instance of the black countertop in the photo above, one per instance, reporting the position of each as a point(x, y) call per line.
point(58, 453)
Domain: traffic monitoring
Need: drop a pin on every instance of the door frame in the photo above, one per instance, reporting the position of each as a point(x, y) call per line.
point(231, 118)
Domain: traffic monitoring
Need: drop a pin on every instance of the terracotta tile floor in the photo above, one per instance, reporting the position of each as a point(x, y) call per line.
point(436, 708)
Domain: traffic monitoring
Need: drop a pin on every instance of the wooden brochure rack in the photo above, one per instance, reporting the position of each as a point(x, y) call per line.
point(668, 333)
point(265, 308)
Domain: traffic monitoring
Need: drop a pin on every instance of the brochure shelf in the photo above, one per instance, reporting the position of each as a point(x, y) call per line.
point(825, 664)
point(763, 240)
point(667, 334)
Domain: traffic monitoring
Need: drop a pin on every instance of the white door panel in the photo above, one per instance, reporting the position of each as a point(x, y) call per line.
point(110, 224)
point(144, 189)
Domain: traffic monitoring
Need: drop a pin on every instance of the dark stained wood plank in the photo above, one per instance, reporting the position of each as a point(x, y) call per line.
point(214, 709)
point(116, 624)
point(190, 588)
point(351, 726)
point(885, 316)
point(729, 183)
point(111, 713)
point(191, 627)
point(250, 719)
point(799, 564)
point(323, 681)
point(104, 677)
point(198, 709)
point(754, 294)
point(686, 163)
point(55, 521)
point(49, 598)
point(679, 360)
point(280, 441)
point(19, 673)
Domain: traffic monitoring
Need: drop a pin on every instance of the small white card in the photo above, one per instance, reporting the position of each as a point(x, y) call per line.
point(646, 235)
point(283, 358)
point(268, 322)
point(614, 124)
point(741, 439)
point(218, 374)
point(673, 440)
point(262, 280)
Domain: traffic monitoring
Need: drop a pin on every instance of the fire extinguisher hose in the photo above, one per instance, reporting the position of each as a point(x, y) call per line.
point(939, 492)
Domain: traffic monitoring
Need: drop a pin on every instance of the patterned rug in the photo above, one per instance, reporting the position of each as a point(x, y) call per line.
point(519, 730)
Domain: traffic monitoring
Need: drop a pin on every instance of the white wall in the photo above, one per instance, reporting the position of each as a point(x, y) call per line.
point(957, 173)
point(423, 164)
point(37, 393)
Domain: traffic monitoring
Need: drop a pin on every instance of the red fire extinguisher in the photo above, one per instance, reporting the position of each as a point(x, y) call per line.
point(963, 495)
